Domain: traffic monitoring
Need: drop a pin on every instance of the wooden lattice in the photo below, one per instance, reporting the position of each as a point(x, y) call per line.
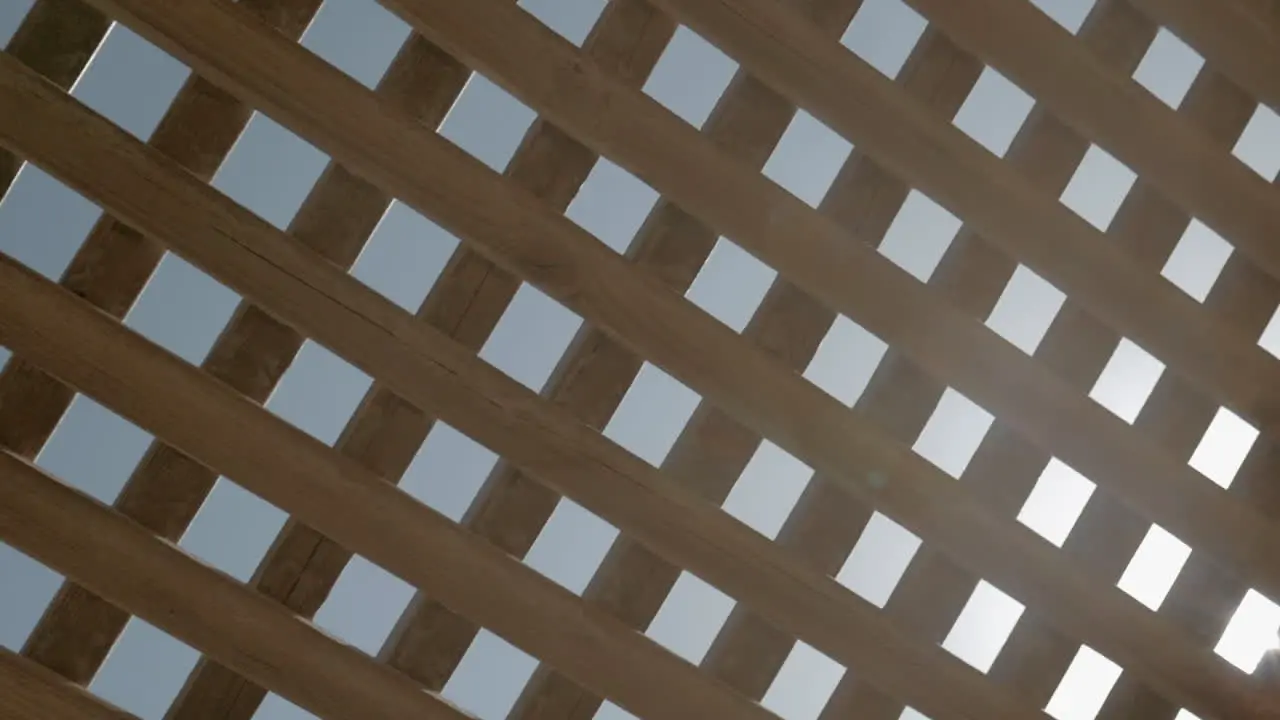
point(208, 421)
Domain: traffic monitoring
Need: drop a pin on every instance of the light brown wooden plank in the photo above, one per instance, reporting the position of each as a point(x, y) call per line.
point(713, 449)
point(1119, 115)
point(852, 278)
point(110, 270)
point(1232, 39)
point(593, 377)
point(712, 359)
point(33, 691)
point(1004, 469)
point(385, 432)
point(121, 560)
point(56, 39)
point(333, 495)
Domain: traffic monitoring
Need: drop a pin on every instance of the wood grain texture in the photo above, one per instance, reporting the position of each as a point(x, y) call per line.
point(30, 690)
point(1238, 39)
point(1114, 111)
point(121, 560)
point(376, 520)
point(713, 360)
point(110, 270)
point(850, 277)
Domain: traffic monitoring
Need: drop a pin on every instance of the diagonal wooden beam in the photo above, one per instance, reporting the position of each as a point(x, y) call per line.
point(1121, 116)
point(712, 451)
point(1004, 469)
point(467, 301)
point(374, 519)
point(101, 549)
point(596, 372)
point(802, 419)
point(1232, 39)
point(31, 690)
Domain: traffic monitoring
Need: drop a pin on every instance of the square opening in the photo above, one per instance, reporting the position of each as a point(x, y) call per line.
point(807, 158)
point(1169, 68)
point(953, 433)
point(690, 77)
point(878, 560)
point(983, 626)
point(487, 122)
point(883, 33)
point(731, 285)
point(994, 111)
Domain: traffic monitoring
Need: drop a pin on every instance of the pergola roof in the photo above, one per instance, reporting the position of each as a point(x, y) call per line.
point(342, 499)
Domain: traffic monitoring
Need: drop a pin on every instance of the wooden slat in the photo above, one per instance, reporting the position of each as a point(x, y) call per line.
point(121, 560)
point(713, 449)
point(710, 358)
point(1004, 469)
point(33, 691)
point(56, 39)
point(591, 381)
point(110, 270)
point(852, 278)
point(385, 432)
point(377, 521)
point(1119, 115)
point(1231, 37)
